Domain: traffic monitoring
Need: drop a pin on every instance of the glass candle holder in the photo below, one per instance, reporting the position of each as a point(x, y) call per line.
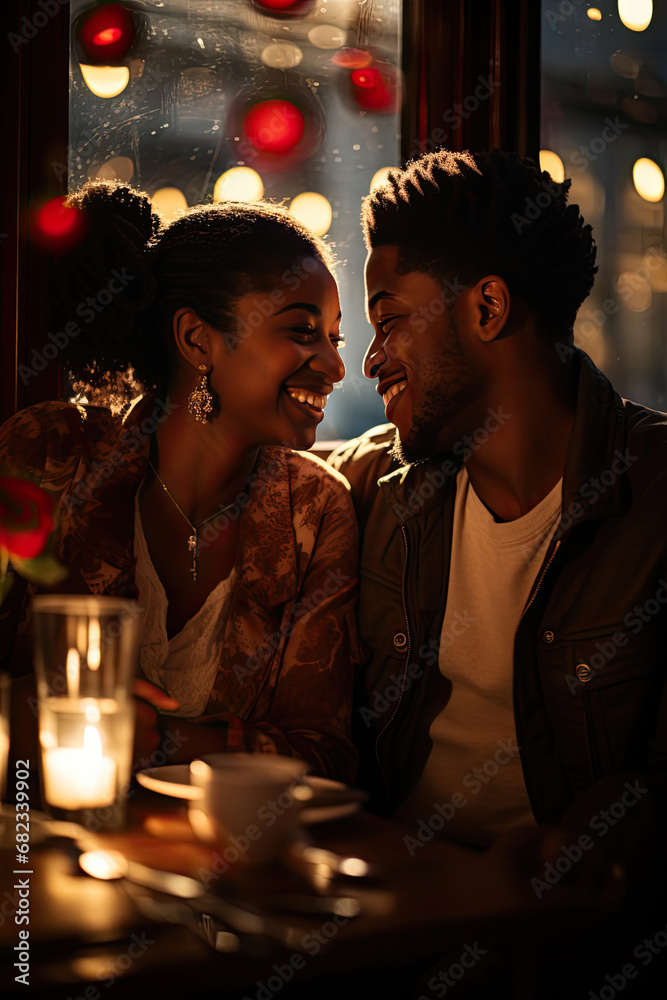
point(85, 662)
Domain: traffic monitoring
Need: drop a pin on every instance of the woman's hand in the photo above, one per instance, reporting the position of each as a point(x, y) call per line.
point(146, 733)
point(190, 739)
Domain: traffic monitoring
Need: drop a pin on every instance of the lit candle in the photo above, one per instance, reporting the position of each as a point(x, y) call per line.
point(80, 777)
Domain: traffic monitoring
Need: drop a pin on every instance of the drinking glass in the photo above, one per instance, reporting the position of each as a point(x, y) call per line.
point(85, 662)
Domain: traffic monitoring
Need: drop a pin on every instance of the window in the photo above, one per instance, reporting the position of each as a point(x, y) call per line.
point(295, 101)
point(604, 126)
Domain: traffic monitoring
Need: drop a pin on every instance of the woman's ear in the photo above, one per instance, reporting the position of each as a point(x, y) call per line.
point(490, 305)
point(192, 337)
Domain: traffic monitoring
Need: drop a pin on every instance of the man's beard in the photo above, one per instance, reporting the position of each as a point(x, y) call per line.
point(432, 430)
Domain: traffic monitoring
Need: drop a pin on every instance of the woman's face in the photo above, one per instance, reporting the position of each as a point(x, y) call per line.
point(274, 372)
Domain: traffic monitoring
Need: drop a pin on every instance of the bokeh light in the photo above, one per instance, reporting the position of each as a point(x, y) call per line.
point(327, 36)
point(238, 184)
point(349, 58)
point(635, 14)
point(375, 88)
point(274, 126)
point(552, 163)
point(379, 178)
point(365, 78)
point(118, 168)
point(648, 179)
point(107, 33)
point(278, 8)
point(634, 291)
point(282, 55)
point(313, 210)
point(105, 81)
point(168, 202)
point(594, 14)
point(58, 226)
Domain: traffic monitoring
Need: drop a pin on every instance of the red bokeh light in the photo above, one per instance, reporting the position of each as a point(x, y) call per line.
point(56, 218)
point(106, 34)
point(284, 9)
point(349, 58)
point(59, 226)
point(277, 4)
point(366, 78)
point(274, 126)
point(376, 88)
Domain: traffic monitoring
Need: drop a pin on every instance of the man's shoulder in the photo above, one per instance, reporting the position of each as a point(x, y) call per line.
point(363, 461)
point(367, 456)
point(305, 466)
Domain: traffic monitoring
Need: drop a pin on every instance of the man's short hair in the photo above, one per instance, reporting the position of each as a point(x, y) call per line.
point(455, 214)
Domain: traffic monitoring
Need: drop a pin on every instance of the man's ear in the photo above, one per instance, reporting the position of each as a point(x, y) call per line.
point(192, 337)
point(489, 308)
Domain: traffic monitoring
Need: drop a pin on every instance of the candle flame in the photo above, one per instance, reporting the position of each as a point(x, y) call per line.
point(92, 711)
point(93, 656)
point(92, 743)
point(72, 670)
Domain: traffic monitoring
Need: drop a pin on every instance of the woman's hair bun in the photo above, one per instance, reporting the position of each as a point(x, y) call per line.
point(112, 266)
point(116, 202)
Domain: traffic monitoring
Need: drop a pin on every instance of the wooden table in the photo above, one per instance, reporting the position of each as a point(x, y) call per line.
point(86, 937)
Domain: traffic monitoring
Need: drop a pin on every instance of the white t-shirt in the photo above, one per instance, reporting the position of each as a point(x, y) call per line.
point(474, 772)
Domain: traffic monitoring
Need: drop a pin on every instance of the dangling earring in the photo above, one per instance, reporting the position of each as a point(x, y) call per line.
point(200, 400)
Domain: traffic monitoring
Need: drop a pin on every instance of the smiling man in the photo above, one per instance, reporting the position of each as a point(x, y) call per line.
point(513, 522)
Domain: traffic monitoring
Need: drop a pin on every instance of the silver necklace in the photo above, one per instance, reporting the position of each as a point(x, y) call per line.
point(193, 540)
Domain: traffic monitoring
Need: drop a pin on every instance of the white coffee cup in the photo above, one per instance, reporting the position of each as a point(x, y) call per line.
point(250, 803)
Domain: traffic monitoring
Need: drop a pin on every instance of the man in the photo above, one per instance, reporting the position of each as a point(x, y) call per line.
point(513, 577)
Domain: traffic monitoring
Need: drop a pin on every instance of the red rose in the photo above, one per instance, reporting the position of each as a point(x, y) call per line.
point(26, 517)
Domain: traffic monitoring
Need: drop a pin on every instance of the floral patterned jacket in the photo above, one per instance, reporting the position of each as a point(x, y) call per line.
point(284, 683)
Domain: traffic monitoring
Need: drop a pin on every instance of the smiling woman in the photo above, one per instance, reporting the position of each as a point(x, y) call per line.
point(219, 355)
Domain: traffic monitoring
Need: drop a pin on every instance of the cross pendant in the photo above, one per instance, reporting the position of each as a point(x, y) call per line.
point(192, 545)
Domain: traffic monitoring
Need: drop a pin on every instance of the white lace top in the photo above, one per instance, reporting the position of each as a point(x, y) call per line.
point(185, 665)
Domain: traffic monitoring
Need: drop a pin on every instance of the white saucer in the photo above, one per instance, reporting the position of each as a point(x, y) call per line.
point(174, 780)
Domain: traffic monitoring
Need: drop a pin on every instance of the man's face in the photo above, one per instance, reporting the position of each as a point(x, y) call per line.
point(431, 386)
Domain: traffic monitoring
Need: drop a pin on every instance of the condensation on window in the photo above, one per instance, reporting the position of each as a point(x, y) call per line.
point(188, 114)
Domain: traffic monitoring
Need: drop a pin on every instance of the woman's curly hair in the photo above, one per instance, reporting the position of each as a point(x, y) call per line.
point(205, 260)
point(491, 213)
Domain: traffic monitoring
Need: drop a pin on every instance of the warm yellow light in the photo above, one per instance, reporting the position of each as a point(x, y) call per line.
point(313, 210)
point(103, 864)
point(634, 291)
point(238, 184)
point(648, 179)
point(282, 55)
point(94, 654)
point(552, 163)
point(635, 14)
point(168, 202)
point(594, 14)
point(327, 36)
point(72, 672)
point(380, 177)
point(105, 81)
point(118, 168)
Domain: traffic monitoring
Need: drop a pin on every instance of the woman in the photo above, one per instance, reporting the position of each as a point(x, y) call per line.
point(241, 551)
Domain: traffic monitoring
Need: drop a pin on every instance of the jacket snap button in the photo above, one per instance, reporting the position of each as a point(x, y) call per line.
point(583, 672)
point(400, 640)
point(548, 636)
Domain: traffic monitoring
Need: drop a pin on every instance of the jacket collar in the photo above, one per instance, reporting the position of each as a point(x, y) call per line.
point(597, 449)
